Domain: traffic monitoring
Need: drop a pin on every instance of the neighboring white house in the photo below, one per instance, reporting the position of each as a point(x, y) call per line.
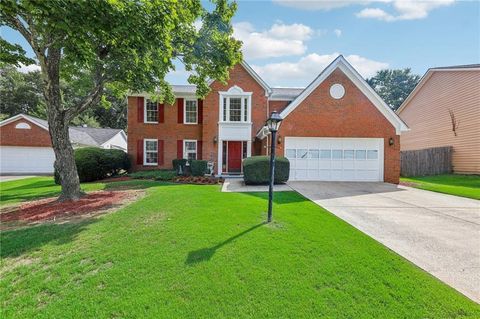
point(25, 145)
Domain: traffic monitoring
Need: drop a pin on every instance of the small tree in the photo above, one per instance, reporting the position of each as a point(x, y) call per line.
point(394, 86)
point(129, 44)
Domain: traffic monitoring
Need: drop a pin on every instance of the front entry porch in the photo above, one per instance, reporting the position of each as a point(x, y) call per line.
point(232, 155)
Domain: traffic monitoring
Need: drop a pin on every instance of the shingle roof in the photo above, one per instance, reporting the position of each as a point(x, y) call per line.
point(191, 89)
point(280, 93)
point(286, 93)
point(89, 136)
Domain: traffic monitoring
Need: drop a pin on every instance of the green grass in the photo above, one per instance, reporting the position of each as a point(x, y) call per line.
point(189, 251)
point(459, 185)
point(160, 175)
point(33, 188)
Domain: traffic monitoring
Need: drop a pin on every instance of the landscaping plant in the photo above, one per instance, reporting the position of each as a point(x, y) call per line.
point(256, 170)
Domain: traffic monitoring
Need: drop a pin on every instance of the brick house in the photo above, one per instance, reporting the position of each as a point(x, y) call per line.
point(26, 147)
point(336, 129)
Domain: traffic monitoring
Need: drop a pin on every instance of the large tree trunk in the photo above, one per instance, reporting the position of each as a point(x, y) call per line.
point(58, 122)
point(64, 159)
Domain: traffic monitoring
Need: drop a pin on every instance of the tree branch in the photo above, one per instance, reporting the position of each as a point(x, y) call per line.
point(92, 98)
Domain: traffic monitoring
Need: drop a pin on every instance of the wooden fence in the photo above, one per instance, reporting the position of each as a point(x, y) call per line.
point(429, 161)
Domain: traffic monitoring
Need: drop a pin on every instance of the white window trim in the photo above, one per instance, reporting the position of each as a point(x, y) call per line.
point(145, 151)
point(236, 92)
point(185, 111)
point(185, 154)
point(145, 113)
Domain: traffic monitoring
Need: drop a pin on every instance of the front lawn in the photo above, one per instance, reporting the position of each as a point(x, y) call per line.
point(459, 185)
point(35, 187)
point(186, 251)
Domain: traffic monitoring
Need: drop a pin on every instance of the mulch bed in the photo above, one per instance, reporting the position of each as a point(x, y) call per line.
point(200, 180)
point(50, 208)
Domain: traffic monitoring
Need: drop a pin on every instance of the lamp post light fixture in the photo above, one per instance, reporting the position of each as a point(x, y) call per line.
point(273, 124)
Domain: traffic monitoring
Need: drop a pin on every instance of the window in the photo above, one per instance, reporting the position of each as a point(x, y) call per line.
point(325, 154)
point(190, 149)
point(190, 112)
point(301, 153)
point(151, 111)
point(291, 153)
point(235, 109)
point(348, 154)
point(337, 154)
point(150, 152)
point(372, 154)
point(360, 154)
point(312, 153)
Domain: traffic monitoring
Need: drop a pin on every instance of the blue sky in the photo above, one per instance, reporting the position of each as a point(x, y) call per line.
point(290, 42)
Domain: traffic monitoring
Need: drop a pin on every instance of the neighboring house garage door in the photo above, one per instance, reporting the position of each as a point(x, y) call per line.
point(335, 159)
point(26, 160)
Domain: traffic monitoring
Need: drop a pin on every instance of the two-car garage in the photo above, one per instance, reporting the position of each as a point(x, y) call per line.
point(335, 159)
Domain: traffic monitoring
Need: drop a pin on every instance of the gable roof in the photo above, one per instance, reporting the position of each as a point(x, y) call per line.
point(429, 73)
point(341, 63)
point(88, 136)
point(285, 94)
point(257, 78)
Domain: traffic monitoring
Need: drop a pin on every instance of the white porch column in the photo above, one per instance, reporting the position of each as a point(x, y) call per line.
point(220, 157)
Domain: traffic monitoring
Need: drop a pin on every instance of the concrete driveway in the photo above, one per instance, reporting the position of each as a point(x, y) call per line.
point(4, 178)
point(439, 233)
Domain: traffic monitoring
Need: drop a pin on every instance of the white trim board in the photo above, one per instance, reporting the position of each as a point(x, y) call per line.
point(25, 117)
point(341, 63)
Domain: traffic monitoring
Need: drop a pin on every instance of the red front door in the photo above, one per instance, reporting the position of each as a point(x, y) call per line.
point(234, 156)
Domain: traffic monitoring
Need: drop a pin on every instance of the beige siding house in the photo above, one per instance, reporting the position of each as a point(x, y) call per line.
point(444, 110)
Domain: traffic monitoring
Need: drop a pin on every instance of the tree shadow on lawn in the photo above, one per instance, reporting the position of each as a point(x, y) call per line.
point(37, 184)
point(205, 254)
point(279, 198)
point(15, 243)
point(25, 197)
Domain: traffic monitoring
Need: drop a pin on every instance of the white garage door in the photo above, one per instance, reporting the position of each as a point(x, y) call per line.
point(335, 159)
point(31, 160)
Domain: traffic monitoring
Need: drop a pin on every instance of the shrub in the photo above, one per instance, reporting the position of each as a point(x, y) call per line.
point(159, 175)
point(179, 162)
point(96, 163)
point(198, 167)
point(256, 170)
point(117, 161)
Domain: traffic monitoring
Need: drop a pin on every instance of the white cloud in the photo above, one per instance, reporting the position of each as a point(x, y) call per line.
point(280, 40)
point(28, 68)
point(405, 10)
point(375, 13)
point(319, 4)
point(308, 67)
point(337, 32)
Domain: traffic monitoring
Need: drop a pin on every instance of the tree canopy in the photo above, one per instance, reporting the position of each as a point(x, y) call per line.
point(394, 86)
point(118, 44)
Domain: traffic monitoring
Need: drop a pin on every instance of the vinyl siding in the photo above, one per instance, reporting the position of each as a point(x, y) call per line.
point(427, 115)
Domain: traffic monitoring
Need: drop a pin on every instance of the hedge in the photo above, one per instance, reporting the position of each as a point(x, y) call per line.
point(157, 174)
point(97, 163)
point(256, 170)
point(179, 162)
point(198, 167)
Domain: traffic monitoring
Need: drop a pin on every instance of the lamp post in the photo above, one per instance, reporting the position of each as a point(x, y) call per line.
point(272, 123)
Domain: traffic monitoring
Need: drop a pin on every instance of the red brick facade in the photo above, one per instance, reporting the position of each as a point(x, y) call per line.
point(35, 136)
point(318, 115)
point(354, 115)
